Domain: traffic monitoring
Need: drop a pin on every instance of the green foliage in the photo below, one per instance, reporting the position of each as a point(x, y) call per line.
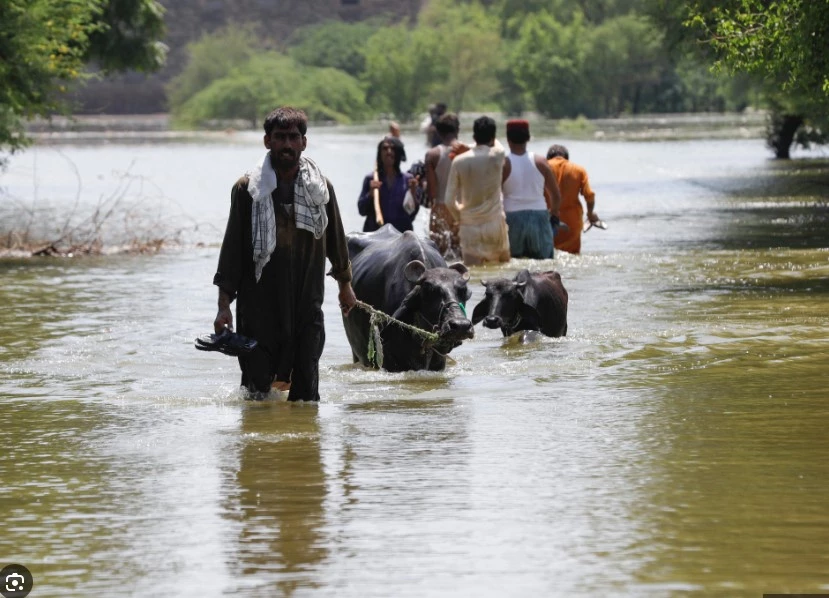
point(773, 38)
point(474, 56)
point(333, 95)
point(548, 61)
point(211, 58)
point(46, 43)
point(128, 36)
point(514, 13)
point(576, 127)
point(624, 63)
point(403, 67)
point(784, 45)
point(334, 44)
point(511, 97)
point(251, 90)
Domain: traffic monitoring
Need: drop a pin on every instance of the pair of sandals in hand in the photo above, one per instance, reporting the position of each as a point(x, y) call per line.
point(227, 342)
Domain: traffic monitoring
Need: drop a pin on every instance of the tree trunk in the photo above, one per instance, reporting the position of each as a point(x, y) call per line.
point(781, 131)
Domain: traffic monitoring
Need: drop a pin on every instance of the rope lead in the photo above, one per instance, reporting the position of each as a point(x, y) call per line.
point(375, 343)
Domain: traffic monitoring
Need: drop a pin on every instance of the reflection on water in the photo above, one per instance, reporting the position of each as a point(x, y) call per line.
point(277, 498)
point(671, 444)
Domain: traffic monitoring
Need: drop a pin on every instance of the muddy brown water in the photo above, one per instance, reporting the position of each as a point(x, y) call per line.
point(673, 444)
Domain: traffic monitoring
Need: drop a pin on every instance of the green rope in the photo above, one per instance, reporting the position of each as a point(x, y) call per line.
point(379, 318)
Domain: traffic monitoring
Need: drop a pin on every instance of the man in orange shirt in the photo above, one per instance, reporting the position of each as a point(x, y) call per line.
point(572, 180)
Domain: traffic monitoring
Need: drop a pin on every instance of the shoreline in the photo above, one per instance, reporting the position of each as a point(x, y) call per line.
point(156, 128)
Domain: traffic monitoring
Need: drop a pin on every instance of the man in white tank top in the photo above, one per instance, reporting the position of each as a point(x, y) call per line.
point(443, 228)
point(531, 196)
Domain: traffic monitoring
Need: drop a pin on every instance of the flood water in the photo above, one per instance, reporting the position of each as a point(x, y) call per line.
point(674, 443)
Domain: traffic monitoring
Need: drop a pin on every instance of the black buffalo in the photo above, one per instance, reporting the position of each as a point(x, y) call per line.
point(527, 302)
point(406, 277)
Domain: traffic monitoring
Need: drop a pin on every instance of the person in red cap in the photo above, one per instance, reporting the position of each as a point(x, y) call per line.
point(531, 196)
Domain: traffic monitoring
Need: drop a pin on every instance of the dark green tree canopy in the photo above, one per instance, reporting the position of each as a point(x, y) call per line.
point(778, 48)
point(45, 44)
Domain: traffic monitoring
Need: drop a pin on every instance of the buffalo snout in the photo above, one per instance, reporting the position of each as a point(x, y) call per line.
point(457, 328)
point(493, 322)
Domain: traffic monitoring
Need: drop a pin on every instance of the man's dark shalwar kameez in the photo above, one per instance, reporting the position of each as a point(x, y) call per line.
point(283, 311)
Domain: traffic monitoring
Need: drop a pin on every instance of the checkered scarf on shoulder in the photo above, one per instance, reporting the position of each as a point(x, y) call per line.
point(310, 197)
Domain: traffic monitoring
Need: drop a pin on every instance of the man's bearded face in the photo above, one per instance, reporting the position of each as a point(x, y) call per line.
point(286, 147)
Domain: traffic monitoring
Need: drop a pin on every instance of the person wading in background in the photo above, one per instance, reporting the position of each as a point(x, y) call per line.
point(531, 196)
point(443, 228)
point(572, 181)
point(473, 196)
point(392, 185)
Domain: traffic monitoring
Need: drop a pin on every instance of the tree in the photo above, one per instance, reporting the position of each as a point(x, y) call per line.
point(333, 44)
point(782, 42)
point(402, 68)
point(471, 51)
point(250, 90)
point(548, 62)
point(127, 36)
point(211, 57)
point(45, 44)
point(772, 38)
point(624, 64)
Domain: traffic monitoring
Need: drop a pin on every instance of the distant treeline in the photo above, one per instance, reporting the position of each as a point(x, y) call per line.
point(560, 58)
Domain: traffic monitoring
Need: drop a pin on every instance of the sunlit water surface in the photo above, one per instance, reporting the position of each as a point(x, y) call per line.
point(673, 444)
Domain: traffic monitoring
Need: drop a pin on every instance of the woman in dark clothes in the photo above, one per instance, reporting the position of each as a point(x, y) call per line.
point(393, 185)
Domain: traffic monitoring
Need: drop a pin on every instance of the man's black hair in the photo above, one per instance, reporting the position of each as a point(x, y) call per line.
point(518, 135)
point(558, 151)
point(483, 130)
point(448, 123)
point(285, 118)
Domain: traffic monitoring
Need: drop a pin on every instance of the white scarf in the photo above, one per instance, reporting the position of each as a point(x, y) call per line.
point(310, 197)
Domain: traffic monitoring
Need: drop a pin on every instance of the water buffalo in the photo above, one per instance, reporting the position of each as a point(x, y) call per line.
point(406, 277)
point(527, 302)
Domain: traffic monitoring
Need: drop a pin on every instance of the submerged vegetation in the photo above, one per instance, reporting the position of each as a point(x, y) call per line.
point(128, 219)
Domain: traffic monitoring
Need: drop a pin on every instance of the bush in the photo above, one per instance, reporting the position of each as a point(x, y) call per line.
point(265, 81)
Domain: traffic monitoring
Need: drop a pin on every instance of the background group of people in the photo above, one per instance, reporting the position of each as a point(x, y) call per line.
point(486, 204)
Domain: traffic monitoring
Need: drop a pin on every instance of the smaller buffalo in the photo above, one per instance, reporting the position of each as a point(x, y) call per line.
point(527, 302)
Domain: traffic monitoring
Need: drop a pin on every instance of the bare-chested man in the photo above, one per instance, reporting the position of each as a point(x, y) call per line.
point(443, 228)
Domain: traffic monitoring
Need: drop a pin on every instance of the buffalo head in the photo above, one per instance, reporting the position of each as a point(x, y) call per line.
point(437, 302)
point(502, 305)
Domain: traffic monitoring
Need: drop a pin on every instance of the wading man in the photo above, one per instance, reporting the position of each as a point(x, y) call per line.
point(531, 196)
point(572, 181)
point(284, 222)
point(473, 197)
point(443, 229)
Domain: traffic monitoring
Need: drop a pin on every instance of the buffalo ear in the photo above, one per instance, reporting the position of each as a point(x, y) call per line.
point(483, 281)
point(459, 267)
point(480, 312)
point(414, 270)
